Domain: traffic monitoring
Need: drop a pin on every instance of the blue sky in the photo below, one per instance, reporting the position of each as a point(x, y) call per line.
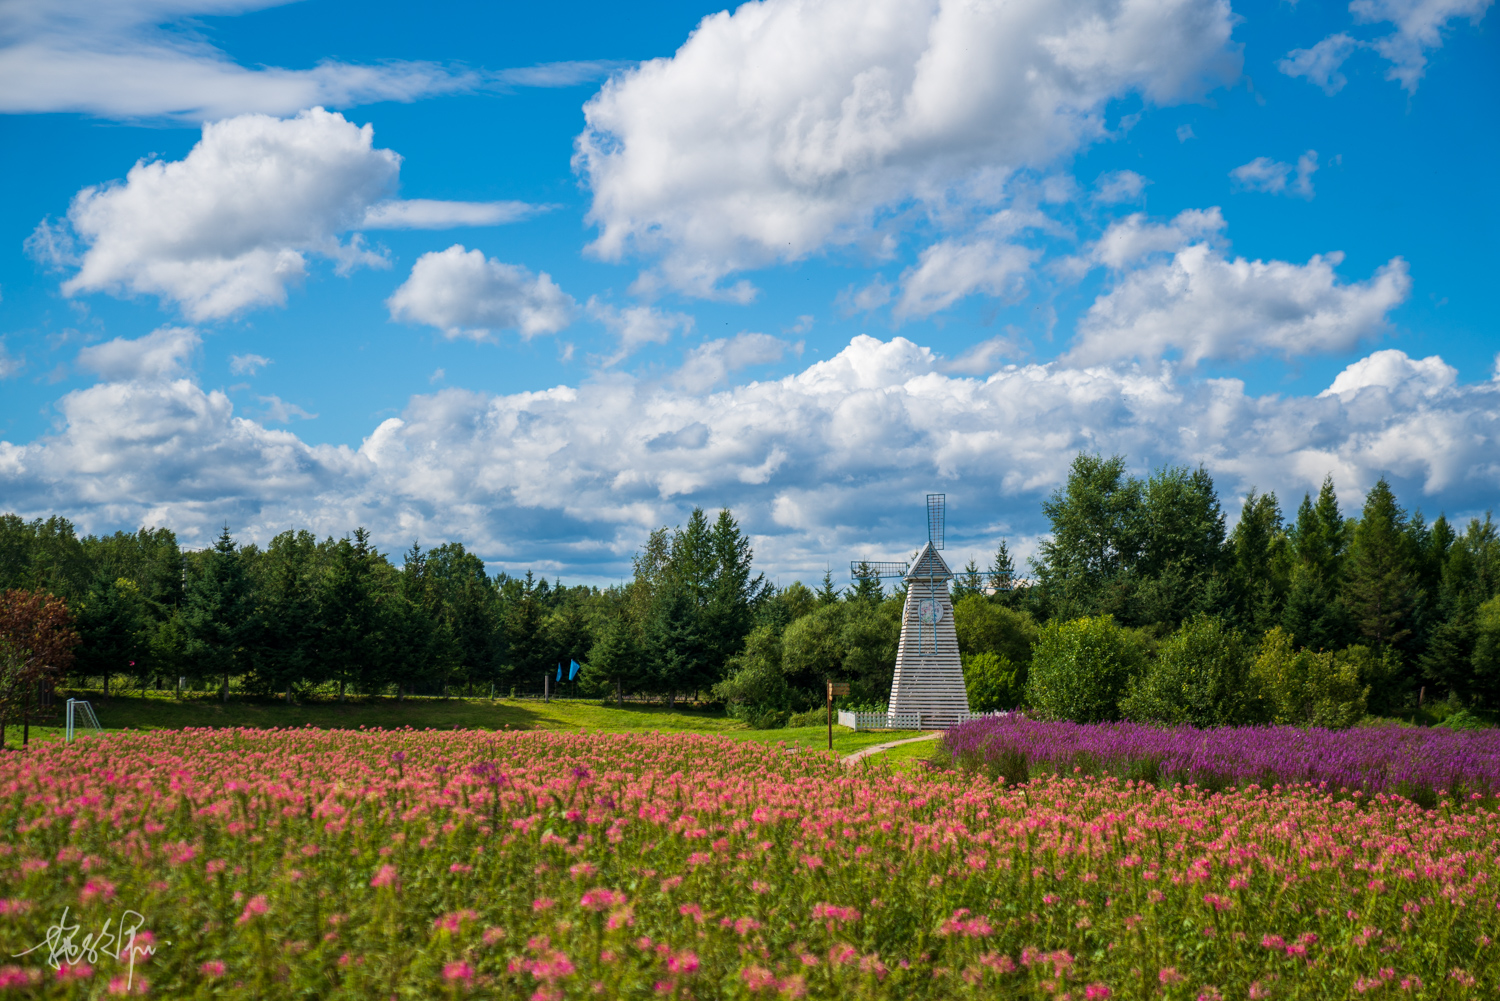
point(808, 261)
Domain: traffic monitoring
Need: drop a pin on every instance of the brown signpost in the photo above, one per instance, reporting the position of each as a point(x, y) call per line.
point(834, 688)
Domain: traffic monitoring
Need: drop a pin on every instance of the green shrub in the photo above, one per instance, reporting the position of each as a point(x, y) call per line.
point(1079, 669)
point(993, 682)
point(1306, 688)
point(1463, 720)
point(1202, 675)
point(813, 717)
point(986, 627)
point(760, 717)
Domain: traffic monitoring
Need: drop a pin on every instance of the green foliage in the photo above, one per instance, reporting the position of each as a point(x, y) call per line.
point(984, 626)
point(993, 682)
point(1308, 688)
point(1201, 675)
point(1485, 661)
point(1080, 669)
point(1381, 590)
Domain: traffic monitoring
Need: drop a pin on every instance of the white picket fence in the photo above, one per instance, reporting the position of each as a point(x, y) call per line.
point(906, 721)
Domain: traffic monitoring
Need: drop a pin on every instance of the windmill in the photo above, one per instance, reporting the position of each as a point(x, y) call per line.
point(929, 679)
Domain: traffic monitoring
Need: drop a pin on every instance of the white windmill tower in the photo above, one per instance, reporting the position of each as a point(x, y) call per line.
point(929, 682)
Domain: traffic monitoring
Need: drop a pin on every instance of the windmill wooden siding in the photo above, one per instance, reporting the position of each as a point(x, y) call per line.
point(929, 678)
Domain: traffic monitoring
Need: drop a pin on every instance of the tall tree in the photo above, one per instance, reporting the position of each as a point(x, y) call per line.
point(867, 587)
point(1382, 584)
point(1258, 565)
point(37, 640)
point(1313, 614)
point(616, 659)
point(968, 581)
point(1001, 576)
point(285, 645)
point(734, 592)
point(1096, 532)
point(115, 628)
point(348, 620)
point(219, 612)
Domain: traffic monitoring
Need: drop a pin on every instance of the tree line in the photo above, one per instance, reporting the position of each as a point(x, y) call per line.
point(1139, 570)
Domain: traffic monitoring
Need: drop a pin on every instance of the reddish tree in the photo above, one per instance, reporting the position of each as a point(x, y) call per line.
point(36, 645)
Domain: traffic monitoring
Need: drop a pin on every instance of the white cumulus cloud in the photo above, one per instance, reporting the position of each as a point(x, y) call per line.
point(1419, 29)
point(1320, 64)
point(1275, 178)
point(829, 461)
point(161, 354)
point(952, 269)
point(799, 124)
point(636, 326)
point(1203, 304)
point(247, 364)
point(233, 224)
point(465, 294)
point(711, 362)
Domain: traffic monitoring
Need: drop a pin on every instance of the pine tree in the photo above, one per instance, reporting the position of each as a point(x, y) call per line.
point(827, 593)
point(968, 582)
point(1002, 573)
point(1382, 586)
point(867, 588)
point(219, 614)
point(1313, 614)
point(616, 658)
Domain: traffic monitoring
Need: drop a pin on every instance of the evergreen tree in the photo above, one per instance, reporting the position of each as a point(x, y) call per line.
point(616, 659)
point(867, 587)
point(1258, 565)
point(219, 613)
point(1001, 576)
point(968, 582)
point(680, 654)
point(1313, 614)
point(524, 622)
point(114, 626)
point(734, 593)
point(827, 594)
point(347, 617)
point(1381, 586)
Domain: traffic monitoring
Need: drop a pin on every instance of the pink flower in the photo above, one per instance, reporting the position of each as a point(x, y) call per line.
point(135, 984)
point(683, 963)
point(460, 972)
point(1169, 975)
point(97, 889)
point(212, 969)
point(386, 876)
point(256, 905)
point(541, 904)
point(1096, 991)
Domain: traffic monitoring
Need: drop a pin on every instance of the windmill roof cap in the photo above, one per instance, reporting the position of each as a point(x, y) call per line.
point(929, 565)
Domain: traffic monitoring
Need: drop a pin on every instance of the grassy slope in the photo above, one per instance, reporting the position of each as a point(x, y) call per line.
point(157, 712)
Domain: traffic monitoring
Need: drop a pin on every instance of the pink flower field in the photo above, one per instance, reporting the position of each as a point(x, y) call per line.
point(380, 864)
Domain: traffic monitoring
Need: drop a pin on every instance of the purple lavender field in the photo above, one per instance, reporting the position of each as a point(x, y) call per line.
point(1422, 763)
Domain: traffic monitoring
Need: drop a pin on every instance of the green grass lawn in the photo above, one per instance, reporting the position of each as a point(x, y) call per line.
point(163, 711)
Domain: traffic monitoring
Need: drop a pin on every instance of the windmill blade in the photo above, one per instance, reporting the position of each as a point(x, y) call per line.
point(935, 519)
point(865, 568)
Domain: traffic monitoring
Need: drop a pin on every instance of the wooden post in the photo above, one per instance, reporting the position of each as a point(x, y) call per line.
point(834, 688)
point(546, 686)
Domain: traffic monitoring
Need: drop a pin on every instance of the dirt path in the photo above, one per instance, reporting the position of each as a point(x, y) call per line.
point(865, 752)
